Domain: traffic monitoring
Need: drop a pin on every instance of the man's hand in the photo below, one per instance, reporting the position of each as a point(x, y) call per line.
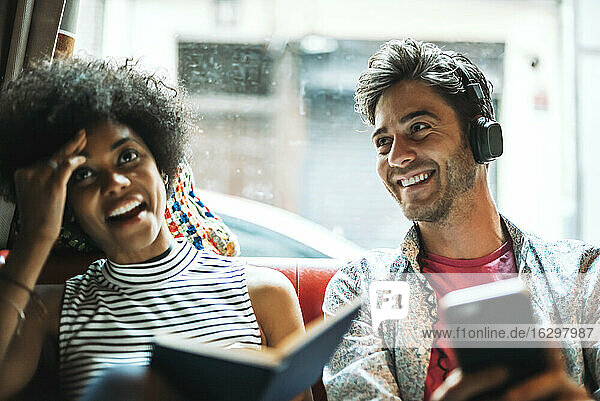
point(552, 384)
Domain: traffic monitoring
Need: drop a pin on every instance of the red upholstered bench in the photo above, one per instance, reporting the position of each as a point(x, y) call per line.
point(309, 277)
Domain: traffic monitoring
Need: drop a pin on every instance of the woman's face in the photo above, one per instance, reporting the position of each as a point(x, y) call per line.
point(118, 195)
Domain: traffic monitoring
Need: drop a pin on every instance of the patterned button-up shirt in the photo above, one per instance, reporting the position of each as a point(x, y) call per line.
point(562, 277)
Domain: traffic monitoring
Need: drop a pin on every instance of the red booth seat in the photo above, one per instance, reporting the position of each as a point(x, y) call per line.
point(309, 277)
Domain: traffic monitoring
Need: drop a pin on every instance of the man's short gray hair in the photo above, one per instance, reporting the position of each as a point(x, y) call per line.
point(408, 59)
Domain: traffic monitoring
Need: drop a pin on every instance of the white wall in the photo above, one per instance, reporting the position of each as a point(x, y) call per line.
point(587, 48)
point(163, 23)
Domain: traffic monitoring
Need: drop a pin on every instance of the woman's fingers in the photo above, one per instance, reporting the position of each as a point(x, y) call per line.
point(53, 164)
point(41, 189)
point(67, 158)
point(74, 146)
point(71, 148)
point(67, 168)
point(82, 142)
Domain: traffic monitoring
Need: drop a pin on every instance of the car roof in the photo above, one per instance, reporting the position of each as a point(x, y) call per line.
point(281, 221)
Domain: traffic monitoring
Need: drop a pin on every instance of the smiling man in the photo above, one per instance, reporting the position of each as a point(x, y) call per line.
point(434, 135)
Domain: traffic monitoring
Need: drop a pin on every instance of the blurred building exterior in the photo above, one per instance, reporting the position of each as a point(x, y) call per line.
point(270, 83)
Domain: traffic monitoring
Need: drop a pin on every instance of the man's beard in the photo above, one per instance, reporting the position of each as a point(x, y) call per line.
point(460, 179)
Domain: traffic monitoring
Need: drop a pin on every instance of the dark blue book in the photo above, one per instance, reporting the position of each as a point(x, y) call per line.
point(206, 372)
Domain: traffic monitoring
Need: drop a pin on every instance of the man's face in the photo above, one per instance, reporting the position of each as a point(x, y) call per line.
point(422, 157)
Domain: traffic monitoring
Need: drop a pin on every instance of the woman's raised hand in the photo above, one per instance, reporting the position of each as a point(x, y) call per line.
point(41, 190)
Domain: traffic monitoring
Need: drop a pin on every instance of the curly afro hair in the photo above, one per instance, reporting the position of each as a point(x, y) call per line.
point(47, 104)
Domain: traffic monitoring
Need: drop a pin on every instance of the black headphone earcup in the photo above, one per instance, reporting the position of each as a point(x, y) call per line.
point(485, 138)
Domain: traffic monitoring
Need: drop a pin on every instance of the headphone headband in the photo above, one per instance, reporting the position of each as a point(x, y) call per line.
point(485, 135)
point(472, 87)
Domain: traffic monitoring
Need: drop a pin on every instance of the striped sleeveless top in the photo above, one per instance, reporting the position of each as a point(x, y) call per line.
point(111, 313)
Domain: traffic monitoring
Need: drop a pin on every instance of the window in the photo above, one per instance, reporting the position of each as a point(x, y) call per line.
point(225, 68)
point(271, 88)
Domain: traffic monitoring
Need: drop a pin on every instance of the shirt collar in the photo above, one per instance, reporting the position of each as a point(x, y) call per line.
point(412, 245)
point(153, 272)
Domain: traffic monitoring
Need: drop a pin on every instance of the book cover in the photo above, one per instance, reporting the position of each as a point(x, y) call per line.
point(206, 372)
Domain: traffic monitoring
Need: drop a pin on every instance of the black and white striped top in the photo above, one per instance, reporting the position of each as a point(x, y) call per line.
point(111, 313)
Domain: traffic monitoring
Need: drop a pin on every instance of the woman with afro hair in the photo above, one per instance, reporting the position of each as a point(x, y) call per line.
point(96, 146)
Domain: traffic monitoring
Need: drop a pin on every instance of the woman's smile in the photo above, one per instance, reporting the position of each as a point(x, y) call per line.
point(131, 213)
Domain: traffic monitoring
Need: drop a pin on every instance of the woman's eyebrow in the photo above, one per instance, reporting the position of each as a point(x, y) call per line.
point(113, 146)
point(122, 141)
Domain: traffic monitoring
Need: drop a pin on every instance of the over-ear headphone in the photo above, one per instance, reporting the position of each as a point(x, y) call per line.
point(485, 135)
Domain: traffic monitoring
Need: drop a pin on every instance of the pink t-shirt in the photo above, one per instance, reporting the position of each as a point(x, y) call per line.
point(441, 273)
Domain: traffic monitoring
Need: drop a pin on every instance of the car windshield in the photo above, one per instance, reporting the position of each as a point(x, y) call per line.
point(256, 240)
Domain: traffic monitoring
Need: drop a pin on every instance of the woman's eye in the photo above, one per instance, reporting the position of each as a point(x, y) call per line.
point(128, 156)
point(81, 174)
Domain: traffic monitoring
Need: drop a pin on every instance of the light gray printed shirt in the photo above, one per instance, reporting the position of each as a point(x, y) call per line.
point(562, 276)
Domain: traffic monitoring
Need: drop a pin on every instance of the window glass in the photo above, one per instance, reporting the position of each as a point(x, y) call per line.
point(271, 87)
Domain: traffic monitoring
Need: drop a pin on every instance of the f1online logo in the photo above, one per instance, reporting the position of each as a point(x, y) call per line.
point(389, 301)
